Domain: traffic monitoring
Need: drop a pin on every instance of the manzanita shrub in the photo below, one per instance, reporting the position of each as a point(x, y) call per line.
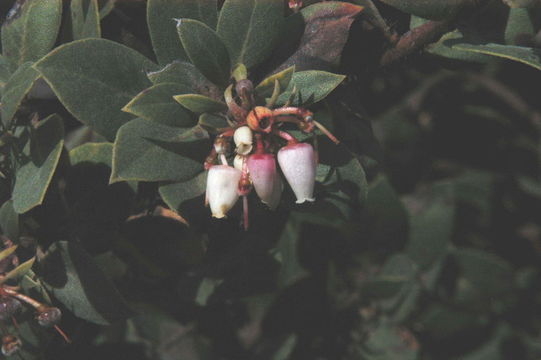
point(270, 179)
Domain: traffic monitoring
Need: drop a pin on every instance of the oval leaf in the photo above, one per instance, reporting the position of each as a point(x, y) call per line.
point(157, 104)
point(40, 158)
point(30, 29)
point(316, 36)
point(200, 104)
point(141, 143)
point(73, 278)
point(9, 222)
point(525, 55)
point(19, 271)
point(205, 50)
point(160, 18)
point(187, 75)
point(428, 9)
point(266, 87)
point(94, 79)
point(18, 85)
point(250, 28)
point(312, 86)
point(85, 19)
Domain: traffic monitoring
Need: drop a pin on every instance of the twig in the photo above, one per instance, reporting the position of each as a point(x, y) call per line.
point(416, 39)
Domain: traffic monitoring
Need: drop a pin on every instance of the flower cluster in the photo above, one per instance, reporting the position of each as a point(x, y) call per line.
point(261, 149)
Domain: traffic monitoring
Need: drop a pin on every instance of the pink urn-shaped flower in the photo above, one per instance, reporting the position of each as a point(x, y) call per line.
point(298, 163)
point(265, 178)
point(222, 183)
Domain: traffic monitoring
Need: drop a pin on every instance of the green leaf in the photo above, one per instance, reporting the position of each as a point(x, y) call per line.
point(250, 28)
point(266, 87)
point(200, 104)
point(205, 50)
point(429, 9)
point(518, 23)
point(30, 30)
point(161, 16)
point(19, 271)
point(316, 36)
point(5, 71)
point(16, 88)
point(94, 79)
point(206, 289)
point(148, 151)
point(9, 221)
point(85, 19)
point(157, 104)
point(286, 348)
point(74, 279)
point(39, 160)
point(383, 287)
point(483, 277)
point(212, 122)
point(106, 8)
point(185, 74)
point(177, 195)
point(525, 55)
point(432, 220)
point(389, 342)
point(312, 86)
point(7, 252)
point(97, 153)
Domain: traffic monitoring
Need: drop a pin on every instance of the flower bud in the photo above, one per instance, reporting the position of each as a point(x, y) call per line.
point(298, 163)
point(263, 173)
point(8, 307)
point(49, 316)
point(222, 182)
point(10, 345)
point(243, 139)
point(260, 119)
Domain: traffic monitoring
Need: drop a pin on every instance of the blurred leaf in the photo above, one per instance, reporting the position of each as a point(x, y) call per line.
point(206, 289)
point(85, 19)
point(157, 104)
point(442, 321)
point(250, 28)
point(19, 271)
point(383, 287)
point(140, 143)
point(200, 104)
point(16, 88)
point(186, 75)
point(384, 218)
point(30, 30)
point(429, 9)
point(518, 23)
point(401, 306)
point(40, 158)
point(205, 50)
point(9, 221)
point(177, 194)
point(161, 16)
point(326, 29)
point(530, 186)
point(312, 86)
point(286, 348)
point(432, 222)
point(519, 3)
point(525, 55)
point(7, 252)
point(390, 342)
point(484, 278)
point(74, 279)
point(266, 87)
point(94, 79)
